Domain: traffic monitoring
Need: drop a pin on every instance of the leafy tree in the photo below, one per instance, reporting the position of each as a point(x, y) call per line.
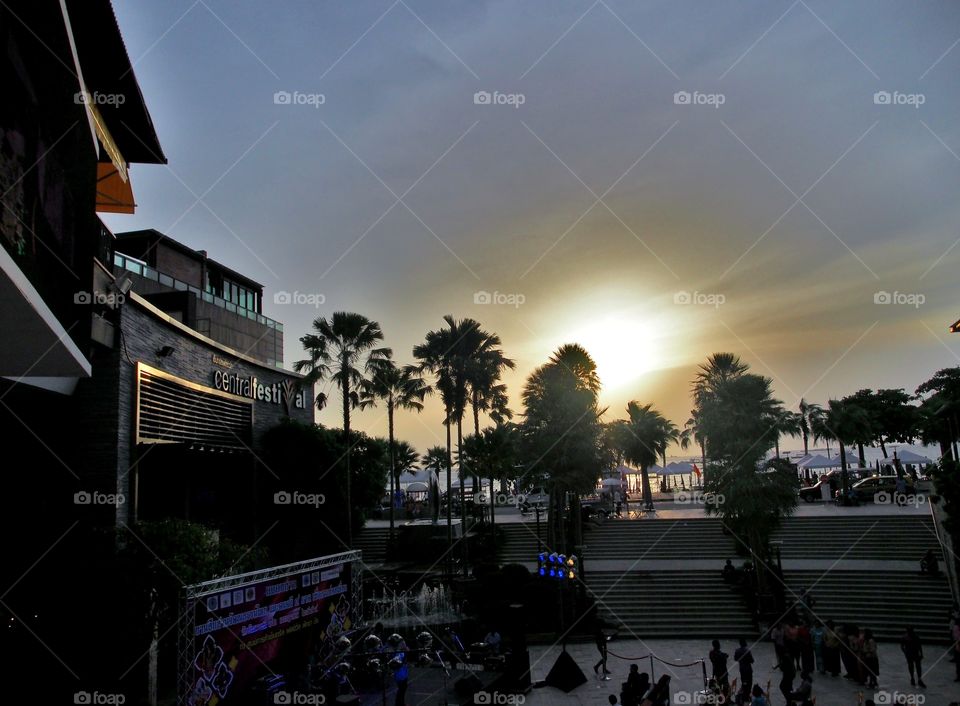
point(311, 459)
point(561, 432)
point(344, 350)
point(784, 423)
point(156, 560)
point(493, 452)
point(737, 417)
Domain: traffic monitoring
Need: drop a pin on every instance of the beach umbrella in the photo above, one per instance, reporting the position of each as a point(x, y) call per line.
point(907, 456)
point(818, 462)
point(417, 487)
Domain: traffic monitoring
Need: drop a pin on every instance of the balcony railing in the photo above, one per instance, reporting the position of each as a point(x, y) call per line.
point(139, 267)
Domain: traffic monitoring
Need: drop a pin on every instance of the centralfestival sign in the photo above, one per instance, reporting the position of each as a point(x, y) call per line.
point(285, 392)
point(268, 627)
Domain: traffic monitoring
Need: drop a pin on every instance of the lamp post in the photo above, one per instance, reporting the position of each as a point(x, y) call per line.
point(536, 509)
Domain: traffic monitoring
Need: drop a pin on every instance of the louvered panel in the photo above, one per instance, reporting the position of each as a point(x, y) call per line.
point(175, 411)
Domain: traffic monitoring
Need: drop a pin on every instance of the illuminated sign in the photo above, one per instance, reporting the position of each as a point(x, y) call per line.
point(285, 392)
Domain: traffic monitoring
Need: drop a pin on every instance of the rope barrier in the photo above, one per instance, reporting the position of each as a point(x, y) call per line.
point(659, 659)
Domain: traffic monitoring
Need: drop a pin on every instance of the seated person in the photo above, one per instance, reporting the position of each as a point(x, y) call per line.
point(929, 564)
point(492, 641)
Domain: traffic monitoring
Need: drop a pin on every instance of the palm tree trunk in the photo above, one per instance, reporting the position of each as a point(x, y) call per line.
point(806, 448)
point(346, 435)
point(463, 492)
point(493, 505)
point(844, 476)
point(449, 490)
point(883, 447)
point(862, 458)
point(394, 484)
point(647, 494)
point(776, 445)
point(703, 457)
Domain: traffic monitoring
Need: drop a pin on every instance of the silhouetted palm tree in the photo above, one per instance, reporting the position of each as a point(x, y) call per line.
point(344, 350)
point(398, 388)
point(845, 423)
point(650, 433)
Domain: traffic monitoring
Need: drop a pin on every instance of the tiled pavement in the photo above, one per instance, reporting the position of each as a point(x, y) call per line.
point(939, 674)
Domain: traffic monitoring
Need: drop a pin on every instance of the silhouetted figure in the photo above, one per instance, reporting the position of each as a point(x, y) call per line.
point(744, 659)
point(913, 651)
point(718, 660)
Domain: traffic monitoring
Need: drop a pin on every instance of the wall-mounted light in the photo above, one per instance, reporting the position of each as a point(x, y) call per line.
point(165, 352)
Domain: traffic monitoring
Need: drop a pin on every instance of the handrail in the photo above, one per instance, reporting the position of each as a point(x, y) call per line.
point(138, 267)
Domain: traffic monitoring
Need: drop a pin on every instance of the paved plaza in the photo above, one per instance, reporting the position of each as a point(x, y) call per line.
point(830, 691)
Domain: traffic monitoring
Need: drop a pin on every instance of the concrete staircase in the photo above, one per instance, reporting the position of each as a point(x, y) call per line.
point(651, 539)
point(884, 601)
point(372, 541)
point(519, 542)
point(861, 537)
point(669, 604)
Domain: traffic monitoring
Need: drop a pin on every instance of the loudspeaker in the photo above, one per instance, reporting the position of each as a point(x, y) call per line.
point(565, 674)
point(516, 672)
point(468, 685)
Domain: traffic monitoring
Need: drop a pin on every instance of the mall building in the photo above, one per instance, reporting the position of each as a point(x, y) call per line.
point(136, 373)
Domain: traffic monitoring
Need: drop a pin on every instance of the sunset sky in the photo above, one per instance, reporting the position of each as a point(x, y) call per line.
point(814, 168)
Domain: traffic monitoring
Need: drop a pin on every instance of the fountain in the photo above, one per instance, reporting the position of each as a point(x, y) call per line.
point(428, 606)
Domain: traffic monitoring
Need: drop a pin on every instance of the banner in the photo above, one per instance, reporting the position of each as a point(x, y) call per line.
point(262, 628)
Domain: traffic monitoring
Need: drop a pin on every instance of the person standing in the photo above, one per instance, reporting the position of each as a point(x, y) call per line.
point(913, 651)
point(788, 669)
point(831, 649)
point(744, 659)
point(718, 660)
point(601, 641)
point(776, 634)
point(805, 641)
point(816, 639)
point(870, 658)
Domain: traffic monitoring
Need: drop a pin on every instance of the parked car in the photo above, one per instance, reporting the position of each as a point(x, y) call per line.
point(879, 488)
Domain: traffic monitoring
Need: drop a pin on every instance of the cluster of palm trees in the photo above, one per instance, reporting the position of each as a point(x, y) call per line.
point(466, 364)
point(562, 441)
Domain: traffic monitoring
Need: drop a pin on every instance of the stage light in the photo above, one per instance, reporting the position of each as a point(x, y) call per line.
point(372, 643)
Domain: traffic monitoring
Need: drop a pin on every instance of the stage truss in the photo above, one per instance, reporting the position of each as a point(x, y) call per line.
point(198, 591)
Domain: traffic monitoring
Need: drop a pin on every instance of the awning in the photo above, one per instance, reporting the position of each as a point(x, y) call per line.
point(114, 193)
point(41, 346)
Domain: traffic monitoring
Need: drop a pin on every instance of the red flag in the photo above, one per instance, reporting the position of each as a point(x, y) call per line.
point(696, 470)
